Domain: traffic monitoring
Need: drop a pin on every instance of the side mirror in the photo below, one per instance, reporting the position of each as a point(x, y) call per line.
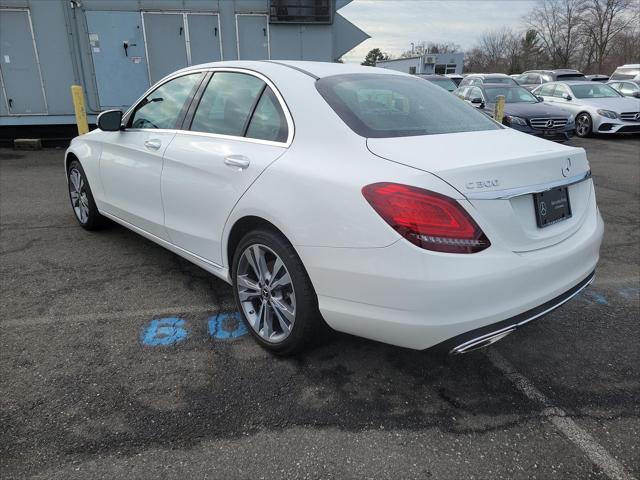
point(476, 100)
point(567, 97)
point(540, 99)
point(110, 121)
point(636, 94)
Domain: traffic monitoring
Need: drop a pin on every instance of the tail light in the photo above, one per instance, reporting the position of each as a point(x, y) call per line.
point(427, 219)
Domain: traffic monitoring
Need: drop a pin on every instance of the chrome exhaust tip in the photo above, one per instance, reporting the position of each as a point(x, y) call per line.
point(481, 342)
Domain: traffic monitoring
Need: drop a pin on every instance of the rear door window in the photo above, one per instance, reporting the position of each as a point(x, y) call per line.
point(546, 90)
point(268, 121)
point(227, 104)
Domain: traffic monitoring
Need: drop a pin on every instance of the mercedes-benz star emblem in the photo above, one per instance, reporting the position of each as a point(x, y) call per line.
point(638, 116)
point(566, 169)
point(549, 124)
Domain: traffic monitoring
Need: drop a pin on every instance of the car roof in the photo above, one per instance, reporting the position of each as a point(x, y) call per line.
point(501, 85)
point(432, 76)
point(316, 69)
point(484, 75)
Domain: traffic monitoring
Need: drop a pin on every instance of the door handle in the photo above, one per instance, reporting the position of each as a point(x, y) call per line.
point(153, 144)
point(238, 161)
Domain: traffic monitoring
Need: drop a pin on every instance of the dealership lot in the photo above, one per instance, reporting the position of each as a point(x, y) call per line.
point(118, 358)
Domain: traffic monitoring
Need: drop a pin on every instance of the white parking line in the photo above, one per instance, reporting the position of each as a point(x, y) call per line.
point(125, 314)
point(585, 442)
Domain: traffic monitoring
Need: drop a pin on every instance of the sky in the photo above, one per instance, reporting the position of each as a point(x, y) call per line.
point(394, 24)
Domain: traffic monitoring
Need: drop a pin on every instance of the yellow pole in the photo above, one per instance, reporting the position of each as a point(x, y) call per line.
point(498, 113)
point(78, 105)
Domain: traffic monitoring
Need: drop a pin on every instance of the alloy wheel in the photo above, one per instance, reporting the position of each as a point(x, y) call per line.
point(78, 193)
point(583, 125)
point(266, 293)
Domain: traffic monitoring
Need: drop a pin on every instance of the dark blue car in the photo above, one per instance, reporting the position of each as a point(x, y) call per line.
point(522, 111)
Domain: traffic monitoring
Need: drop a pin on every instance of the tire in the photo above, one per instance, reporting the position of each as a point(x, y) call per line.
point(82, 202)
point(584, 125)
point(282, 317)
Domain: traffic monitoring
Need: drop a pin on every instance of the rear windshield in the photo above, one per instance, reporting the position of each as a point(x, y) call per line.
point(444, 83)
point(625, 73)
point(571, 76)
point(502, 80)
point(382, 105)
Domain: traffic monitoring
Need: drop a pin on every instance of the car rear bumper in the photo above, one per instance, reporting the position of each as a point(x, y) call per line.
point(409, 297)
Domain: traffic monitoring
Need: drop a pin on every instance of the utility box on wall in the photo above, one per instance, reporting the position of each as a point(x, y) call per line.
point(116, 49)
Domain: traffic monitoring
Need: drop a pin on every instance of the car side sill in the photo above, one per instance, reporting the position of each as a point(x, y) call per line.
point(211, 267)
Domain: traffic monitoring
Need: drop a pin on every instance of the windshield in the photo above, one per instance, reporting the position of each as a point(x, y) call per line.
point(594, 91)
point(445, 83)
point(386, 105)
point(511, 94)
point(501, 80)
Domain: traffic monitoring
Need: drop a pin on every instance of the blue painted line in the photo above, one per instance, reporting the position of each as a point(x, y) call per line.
point(629, 292)
point(226, 326)
point(164, 332)
point(592, 296)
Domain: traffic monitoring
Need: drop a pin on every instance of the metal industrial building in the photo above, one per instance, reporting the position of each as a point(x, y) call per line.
point(115, 49)
point(429, 63)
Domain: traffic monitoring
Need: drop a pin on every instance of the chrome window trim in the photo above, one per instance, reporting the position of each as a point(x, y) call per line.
point(509, 193)
point(270, 84)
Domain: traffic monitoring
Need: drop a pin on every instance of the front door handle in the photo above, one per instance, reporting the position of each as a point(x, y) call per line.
point(153, 144)
point(238, 161)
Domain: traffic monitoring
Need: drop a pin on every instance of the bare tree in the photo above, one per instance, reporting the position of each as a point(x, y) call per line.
point(422, 47)
point(603, 21)
point(558, 24)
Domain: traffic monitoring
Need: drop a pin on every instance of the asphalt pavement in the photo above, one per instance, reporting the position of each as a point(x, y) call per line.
point(118, 359)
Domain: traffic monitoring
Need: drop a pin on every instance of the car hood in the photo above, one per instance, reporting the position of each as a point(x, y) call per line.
point(617, 104)
point(533, 110)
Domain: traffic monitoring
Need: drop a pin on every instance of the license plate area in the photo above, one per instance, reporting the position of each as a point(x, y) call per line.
point(552, 206)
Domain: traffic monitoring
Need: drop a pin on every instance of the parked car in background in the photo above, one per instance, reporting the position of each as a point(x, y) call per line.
point(523, 111)
point(359, 196)
point(597, 78)
point(598, 107)
point(480, 78)
point(455, 78)
point(441, 81)
point(533, 78)
point(628, 88)
point(627, 72)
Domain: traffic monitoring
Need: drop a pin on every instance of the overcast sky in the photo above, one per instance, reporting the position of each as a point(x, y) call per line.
point(394, 24)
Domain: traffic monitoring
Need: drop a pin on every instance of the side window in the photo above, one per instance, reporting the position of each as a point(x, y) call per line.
point(559, 91)
point(268, 121)
point(535, 78)
point(627, 88)
point(227, 103)
point(474, 92)
point(162, 107)
point(547, 90)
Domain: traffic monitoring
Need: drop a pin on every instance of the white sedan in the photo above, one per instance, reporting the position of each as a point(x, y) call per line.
point(361, 197)
point(598, 108)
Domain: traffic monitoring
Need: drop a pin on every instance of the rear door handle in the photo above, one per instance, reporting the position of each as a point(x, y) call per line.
point(153, 144)
point(238, 161)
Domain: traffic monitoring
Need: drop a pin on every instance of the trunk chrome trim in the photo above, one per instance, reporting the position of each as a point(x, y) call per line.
point(506, 194)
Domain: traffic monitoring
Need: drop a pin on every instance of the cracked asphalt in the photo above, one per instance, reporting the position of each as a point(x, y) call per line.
point(81, 395)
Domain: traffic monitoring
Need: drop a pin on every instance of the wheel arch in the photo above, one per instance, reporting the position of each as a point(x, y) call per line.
point(240, 228)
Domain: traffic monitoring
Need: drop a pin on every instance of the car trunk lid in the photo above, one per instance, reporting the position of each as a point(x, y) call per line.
point(498, 171)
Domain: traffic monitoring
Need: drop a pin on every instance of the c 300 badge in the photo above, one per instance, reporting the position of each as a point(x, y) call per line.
point(483, 184)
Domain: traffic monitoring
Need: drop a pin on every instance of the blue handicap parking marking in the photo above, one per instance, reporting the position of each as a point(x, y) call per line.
point(164, 332)
point(225, 326)
point(594, 297)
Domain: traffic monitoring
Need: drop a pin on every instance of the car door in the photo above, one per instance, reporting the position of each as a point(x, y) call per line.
point(546, 91)
point(131, 160)
point(238, 128)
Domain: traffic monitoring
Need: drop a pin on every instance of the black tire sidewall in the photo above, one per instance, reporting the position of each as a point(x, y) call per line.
point(307, 314)
point(94, 220)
